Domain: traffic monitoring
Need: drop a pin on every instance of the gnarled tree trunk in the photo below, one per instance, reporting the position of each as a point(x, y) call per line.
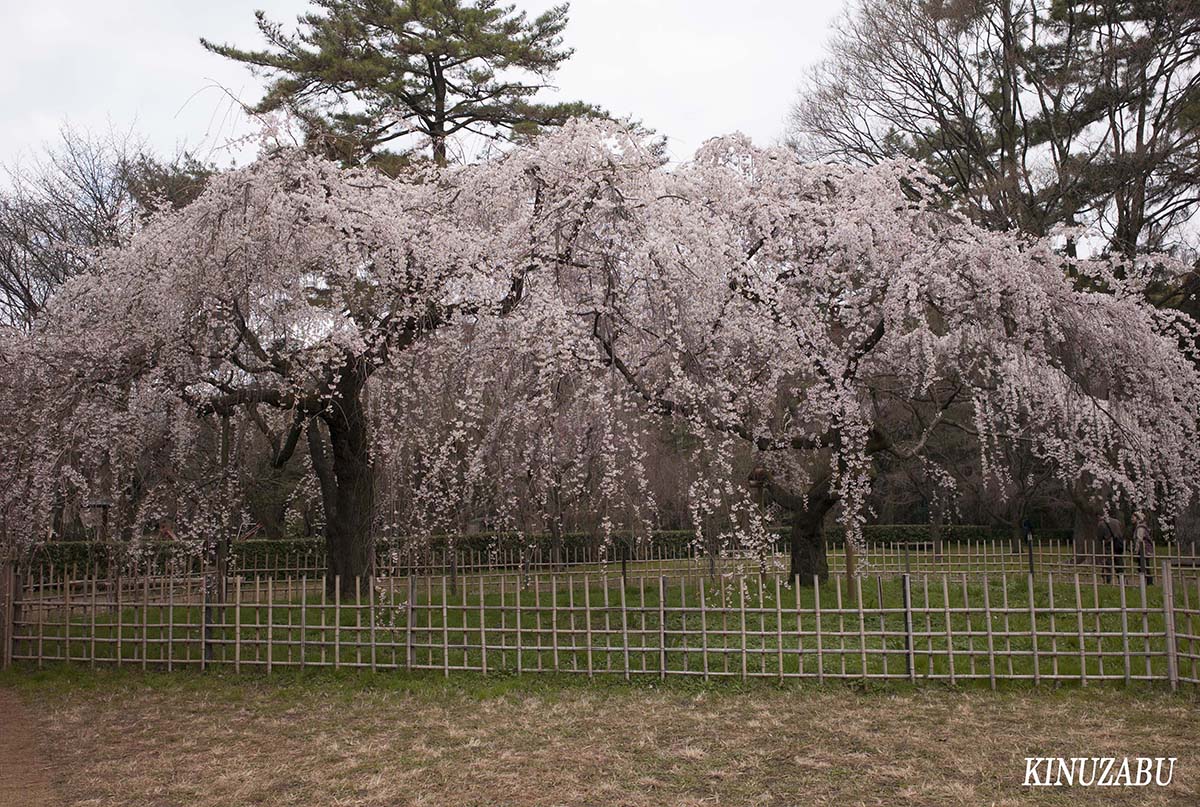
point(807, 543)
point(806, 539)
point(347, 486)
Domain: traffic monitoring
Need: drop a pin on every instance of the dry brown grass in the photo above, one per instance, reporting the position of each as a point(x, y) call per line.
point(187, 740)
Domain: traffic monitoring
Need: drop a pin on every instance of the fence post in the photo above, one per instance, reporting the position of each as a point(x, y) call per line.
point(521, 583)
point(1124, 628)
point(909, 660)
point(1169, 613)
point(483, 627)
point(816, 626)
point(446, 629)
point(624, 630)
point(1079, 633)
point(371, 616)
point(8, 597)
point(1033, 634)
point(704, 627)
point(337, 619)
point(662, 629)
point(203, 623)
point(408, 622)
point(237, 624)
point(742, 617)
point(270, 621)
point(991, 641)
point(587, 610)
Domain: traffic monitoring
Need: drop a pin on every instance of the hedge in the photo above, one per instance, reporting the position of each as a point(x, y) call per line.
point(310, 552)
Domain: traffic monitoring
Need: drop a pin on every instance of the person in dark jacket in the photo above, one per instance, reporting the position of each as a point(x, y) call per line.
point(1112, 533)
point(1143, 545)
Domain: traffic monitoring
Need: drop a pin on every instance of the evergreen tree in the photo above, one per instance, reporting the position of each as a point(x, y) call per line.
point(366, 76)
point(1036, 113)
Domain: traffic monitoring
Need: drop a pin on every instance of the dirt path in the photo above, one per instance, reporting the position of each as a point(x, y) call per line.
point(24, 773)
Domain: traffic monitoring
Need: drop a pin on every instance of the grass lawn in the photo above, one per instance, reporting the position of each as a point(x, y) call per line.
point(131, 738)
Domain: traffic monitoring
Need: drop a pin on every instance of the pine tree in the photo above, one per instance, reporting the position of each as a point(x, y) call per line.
point(368, 76)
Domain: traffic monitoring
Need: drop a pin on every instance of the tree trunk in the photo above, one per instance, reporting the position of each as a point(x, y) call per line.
point(807, 544)
point(347, 488)
point(555, 544)
point(935, 531)
point(806, 540)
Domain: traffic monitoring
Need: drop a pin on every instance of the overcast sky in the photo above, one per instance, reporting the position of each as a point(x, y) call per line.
point(691, 69)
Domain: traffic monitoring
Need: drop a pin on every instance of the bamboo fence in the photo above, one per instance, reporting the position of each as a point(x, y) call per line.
point(987, 627)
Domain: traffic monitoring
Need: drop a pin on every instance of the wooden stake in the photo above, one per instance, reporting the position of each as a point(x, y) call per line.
point(409, 650)
point(554, 617)
point(237, 624)
point(882, 623)
point(742, 618)
point(991, 646)
point(170, 622)
point(445, 633)
point(970, 626)
point(270, 621)
point(1079, 633)
point(337, 621)
point(587, 612)
point(624, 630)
point(1053, 630)
point(862, 626)
point(1124, 629)
point(482, 627)
point(571, 607)
point(203, 623)
point(662, 626)
point(817, 623)
point(41, 608)
point(1033, 634)
point(837, 587)
point(358, 619)
point(778, 628)
point(92, 619)
point(1145, 623)
point(1169, 615)
point(909, 640)
point(70, 577)
point(517, 593)
point(949, 626)
point(704, 627)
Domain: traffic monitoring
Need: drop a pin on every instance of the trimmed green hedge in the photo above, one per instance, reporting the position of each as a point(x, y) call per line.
point(310, 552)
point(951, 533)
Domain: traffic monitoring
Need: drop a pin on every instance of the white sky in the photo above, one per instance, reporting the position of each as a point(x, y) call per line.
point(690, 69)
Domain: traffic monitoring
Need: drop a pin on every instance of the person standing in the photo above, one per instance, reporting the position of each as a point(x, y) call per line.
point(1143, 545)
point(1112, 532)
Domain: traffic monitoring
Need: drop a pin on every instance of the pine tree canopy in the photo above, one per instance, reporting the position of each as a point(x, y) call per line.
point(366, 77)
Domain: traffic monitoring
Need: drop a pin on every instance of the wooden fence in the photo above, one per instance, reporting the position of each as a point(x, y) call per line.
point(952, 628)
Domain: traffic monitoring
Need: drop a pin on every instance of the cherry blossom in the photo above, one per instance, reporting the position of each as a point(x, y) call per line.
point(511, 336)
